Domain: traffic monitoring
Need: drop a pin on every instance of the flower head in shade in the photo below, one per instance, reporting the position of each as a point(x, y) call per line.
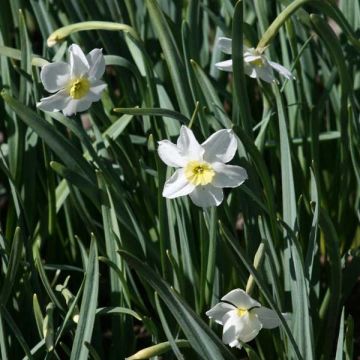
point(256, 65)
point(76, 84)
point(201, 169)
point(242, 317)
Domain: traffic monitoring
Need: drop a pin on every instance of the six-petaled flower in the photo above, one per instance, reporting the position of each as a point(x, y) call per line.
point(242, 317)
point(76, 84)
point(201, 169)
point(256, 64)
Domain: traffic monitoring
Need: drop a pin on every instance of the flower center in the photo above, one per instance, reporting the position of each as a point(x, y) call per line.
point(241, 312)
point(199, 173)
point(78, 88)
point(258, 62)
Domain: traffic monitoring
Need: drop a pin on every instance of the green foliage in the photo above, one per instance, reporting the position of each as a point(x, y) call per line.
point(96, 263)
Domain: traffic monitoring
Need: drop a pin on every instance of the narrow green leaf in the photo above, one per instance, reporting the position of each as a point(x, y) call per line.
point(117, 310)
point(154, 112)
point(167, 330)
point(324, 6)
point(87, 314)
point(340, 343)
point(45, 280)
point(48, 327)
point(92, 352)
point(14, 260)
point(349, 338)
point(76, 179)
point(64, 149)
point(16, 331)
point(211, 95)
point(332, 298)
point(172, 56)
point(38, 315)
point(3, 340)
point(203, 341)
point(240, 101)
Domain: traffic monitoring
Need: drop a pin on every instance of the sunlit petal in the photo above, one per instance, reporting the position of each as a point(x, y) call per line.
point(54, 102)
point(206, 196)
point(240, 299)
point(228, 175)
point(220, 146)
point(225, 44)
point(269, 318)
point(79, 65)
point(218, 311)
point(177, 185)
point(188, 145)
point(170, 154)
point(224, 65)
point(96, 62)
point(55, 76)
point(282, 70)
point(75, 106)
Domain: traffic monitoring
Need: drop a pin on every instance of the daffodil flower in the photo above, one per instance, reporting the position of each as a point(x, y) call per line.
point(76, 84)
point(242, 317)
point(201, 169)
point(256, 65)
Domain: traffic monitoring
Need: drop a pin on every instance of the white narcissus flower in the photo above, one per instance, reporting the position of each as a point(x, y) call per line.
point(202, 171)
point(256, 65)
point(76, 84)
point(242, 317)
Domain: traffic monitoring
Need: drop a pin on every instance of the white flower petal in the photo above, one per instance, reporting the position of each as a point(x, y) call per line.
point(269, 318)
point(249, 58)
point(188, 145)
point(75, 106)
point(235, 343)
point(170, 154)
point(265, 73)
point(55, 76)
point(220, 146)
point(96, 61)
point(232, 322)
point(282, 70)
point(177, 185)
point(218, 311)
point(54, 102)
point(224, 65)
point(251, 328)
point(244, 328)
point(240, 299)
point(250, 70)
point(206, 196)
point(228, 175)
point(79, 65)
point(95, 91)
point(225, 45)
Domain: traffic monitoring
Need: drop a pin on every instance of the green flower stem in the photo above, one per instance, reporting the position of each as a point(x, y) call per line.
point(193, 116)
point(323, 5)
point(63, 32)
point(157, 349)
point(258, 260)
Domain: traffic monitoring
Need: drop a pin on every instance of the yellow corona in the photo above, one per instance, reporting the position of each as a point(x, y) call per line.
point(78, 88)
point(199, 173)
